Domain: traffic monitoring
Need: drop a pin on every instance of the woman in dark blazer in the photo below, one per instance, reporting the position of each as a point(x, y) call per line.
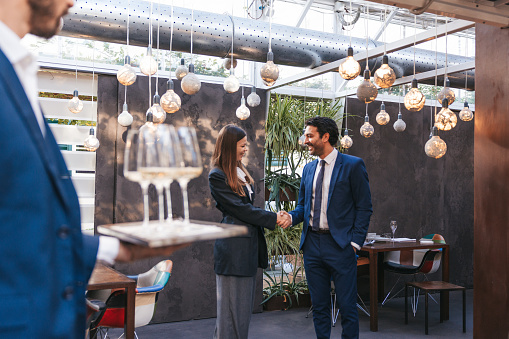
point(236, 260)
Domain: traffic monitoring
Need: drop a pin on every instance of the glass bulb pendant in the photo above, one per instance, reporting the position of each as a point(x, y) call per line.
point(149, 123)
point(158, 113)
point(367, 91)
point(227, 63)
point(242, 111)
point(385, 76)
point(435, 147)
point(446, 119)
point(465, 114)
point(399, 125)
point(181, 70)
point(350, 68)
point(414, 99)
point(125, 118)
point(253, 99)
point(382, 118)
point(190, 83)
point(170, 101)
point(91, 143)
point(346, 141)
point(367, 129)
point(446, 92)
point(126, 75)
point(269, 72)
point(231, 84)
point(75, 105)
point(148, 65)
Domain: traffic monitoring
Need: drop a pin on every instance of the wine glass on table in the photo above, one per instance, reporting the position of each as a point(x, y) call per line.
point(131, 169)
point(394, 226)
point(191, 165)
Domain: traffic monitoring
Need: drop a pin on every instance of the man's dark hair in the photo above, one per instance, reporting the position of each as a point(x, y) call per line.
point(325, 125)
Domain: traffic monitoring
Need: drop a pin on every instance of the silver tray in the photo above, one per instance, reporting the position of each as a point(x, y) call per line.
point(176, 232)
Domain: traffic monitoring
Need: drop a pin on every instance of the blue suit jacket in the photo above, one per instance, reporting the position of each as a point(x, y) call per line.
point(349, 202)
point(45, 261)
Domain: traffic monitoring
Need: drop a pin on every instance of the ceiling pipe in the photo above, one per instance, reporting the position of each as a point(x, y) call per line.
point(105, 20)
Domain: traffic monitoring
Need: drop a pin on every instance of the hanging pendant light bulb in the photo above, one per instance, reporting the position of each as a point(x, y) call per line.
point(447, 92)
point(227, 63)
point(446, 119)
point(253, 99)
point(435, 147)
point(149, 123)
point(231, 84)
point(385, 76)
point(414, 99)
point(269, 72)
point(466, 113)
point(399, 125)
point(346, 141)
point(158, 113)
point(126, 75)
point(242, 111)
point(91, 143)
point(170, 101)
point(125, 118)
point(367, 129)
point(190, 83)
point(181, 70)
point(75, 105)
point(148, 65)
point(350, 68)
point(383, 118)
point(302, 139)
point(367, 91)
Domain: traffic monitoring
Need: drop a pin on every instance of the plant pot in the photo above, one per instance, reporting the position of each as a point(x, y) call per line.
point(282, 196)
point(279, 302)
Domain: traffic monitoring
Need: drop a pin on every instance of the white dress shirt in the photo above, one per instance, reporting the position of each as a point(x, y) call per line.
point(25, 65)
point(242, 176)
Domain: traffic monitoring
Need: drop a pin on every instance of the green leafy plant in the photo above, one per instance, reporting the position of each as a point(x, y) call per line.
point(286, 288)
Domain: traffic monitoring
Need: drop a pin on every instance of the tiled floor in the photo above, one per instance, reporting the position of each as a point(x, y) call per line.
point(293, 324)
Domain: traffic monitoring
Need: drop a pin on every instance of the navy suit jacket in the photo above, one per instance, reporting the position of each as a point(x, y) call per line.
point(349, 202)
point(240, 256)
point(45, 261)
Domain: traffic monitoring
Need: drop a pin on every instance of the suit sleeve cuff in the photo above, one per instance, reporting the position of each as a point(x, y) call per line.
point(355, 245)
point(108, 249)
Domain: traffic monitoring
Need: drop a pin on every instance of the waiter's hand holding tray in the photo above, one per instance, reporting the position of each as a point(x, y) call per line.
point(169, 233)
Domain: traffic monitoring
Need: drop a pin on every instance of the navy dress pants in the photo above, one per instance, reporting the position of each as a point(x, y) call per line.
point(323, 259)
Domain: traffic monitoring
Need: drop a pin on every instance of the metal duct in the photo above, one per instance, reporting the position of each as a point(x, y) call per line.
point(105, 20)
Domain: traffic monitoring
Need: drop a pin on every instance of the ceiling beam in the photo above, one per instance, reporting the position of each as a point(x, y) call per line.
point(455, 26)
point(420, 76)
point(304, 12)
point(485, 13)
point(384, 26)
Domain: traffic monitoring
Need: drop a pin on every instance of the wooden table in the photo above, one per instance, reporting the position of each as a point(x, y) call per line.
point(104, 277)
point(376, 274)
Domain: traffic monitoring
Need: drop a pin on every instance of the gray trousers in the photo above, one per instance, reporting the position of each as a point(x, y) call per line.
point(235, 300)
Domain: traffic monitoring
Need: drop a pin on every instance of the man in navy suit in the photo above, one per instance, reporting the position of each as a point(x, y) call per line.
point(335, 206)
point(45, 261)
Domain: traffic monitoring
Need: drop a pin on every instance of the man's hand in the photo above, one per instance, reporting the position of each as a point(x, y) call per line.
point(284, 220)
point(130, 252)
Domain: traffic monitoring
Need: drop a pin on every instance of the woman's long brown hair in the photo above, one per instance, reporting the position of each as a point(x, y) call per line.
point(225, 157)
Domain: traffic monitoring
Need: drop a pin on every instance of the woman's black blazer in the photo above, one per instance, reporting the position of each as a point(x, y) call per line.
point(239, 256)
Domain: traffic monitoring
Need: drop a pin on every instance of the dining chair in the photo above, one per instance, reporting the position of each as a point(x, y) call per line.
point(148, 286)
point(412, 263)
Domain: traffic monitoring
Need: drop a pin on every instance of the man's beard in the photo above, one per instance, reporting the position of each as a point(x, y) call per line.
point(44, 22)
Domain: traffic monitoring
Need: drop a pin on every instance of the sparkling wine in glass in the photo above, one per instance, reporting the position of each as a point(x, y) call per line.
point(394, 226)
point(131, 169)
point(191, 165)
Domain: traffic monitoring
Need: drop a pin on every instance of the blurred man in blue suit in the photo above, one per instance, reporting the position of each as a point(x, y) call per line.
point(335, 206)
point(45, 261)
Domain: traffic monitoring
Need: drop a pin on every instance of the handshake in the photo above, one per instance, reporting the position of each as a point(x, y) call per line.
point(284, 220)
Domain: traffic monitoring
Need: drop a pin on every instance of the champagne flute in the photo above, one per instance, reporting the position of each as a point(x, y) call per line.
point(191, 165)
point(394, 226)
point(131, 169)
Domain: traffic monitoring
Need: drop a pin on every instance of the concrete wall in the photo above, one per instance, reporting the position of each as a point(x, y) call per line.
point(191, 291)
point(424, 195)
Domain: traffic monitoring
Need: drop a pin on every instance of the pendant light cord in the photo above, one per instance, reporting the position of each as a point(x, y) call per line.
point(270, 25)
point(192, 29)
point(415, 38)
point(76, 64)
point(158, 55)
point(445, 73)
point(385, 30)
point(171, 38)
point(350, 30)
point(346, 113)
point(232, 69)
point(150, 45)
point(466, 72)
point(367, 36)
point(436, 63)
point(127, 45)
